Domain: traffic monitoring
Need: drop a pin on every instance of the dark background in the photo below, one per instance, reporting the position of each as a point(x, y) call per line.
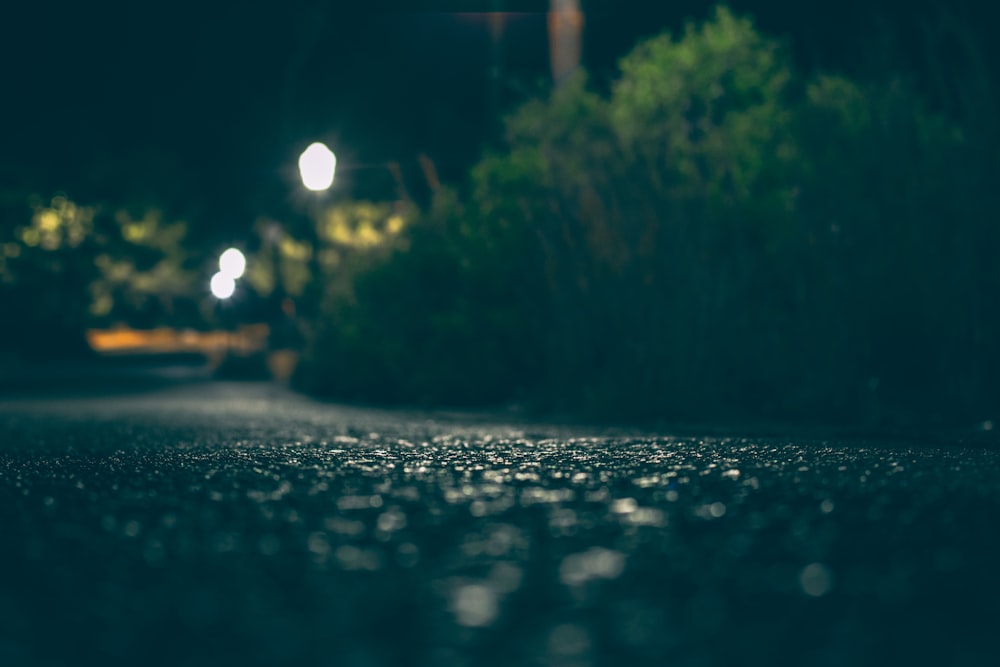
point(202, 108)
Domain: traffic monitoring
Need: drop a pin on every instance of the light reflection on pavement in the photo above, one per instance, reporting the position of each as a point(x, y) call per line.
point(241, 524)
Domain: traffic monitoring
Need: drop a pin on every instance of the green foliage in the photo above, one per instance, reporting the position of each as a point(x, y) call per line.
point(66, 267)
point(45, 273)
point(896, 236)
point(655, 211)
point(144, 272)
point(714, 238)
point(341, 237)
point(706, 113)
point(427, 319)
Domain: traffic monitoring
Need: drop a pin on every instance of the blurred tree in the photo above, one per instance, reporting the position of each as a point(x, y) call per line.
point(67, 266)
point(713, 238)
point(425, 317)
point(343, 232)
point(47, 269)
point(663, 202)
point(896, 225)
point(145, 272)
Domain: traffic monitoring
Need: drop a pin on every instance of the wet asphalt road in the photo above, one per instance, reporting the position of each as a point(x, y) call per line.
point(231, 524)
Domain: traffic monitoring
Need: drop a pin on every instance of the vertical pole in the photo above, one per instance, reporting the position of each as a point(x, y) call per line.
point(565, 38)
point(496, 63)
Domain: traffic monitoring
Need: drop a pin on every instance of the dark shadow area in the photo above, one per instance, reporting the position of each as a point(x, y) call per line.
point(108, 376)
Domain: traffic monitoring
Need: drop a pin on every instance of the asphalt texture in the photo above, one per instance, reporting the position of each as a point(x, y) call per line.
point(239, 524)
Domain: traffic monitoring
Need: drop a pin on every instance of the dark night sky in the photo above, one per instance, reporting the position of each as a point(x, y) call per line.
point(204, 105)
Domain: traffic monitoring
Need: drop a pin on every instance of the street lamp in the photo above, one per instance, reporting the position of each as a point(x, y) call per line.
point(317, 165)
point(232, 263)
point(222, 286)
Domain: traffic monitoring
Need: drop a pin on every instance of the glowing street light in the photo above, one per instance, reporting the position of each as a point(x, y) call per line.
point(317, 165)
point(222, 286)
point(232, 263)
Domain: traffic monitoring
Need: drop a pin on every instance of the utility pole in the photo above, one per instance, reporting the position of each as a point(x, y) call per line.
point(496, 19)
point(565, 38)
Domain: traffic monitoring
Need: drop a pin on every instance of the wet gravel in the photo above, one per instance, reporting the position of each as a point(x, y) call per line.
point(236, 524)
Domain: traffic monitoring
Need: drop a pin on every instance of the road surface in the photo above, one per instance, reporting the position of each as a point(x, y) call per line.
point(237, 524)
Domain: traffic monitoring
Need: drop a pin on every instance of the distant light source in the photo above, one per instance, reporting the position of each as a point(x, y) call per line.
point(232, 263)
point(222, 285)
point(317, 165)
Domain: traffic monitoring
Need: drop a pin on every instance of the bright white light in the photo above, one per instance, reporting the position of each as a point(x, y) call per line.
point(222, 286)
point(232, 263)
point(316, 166)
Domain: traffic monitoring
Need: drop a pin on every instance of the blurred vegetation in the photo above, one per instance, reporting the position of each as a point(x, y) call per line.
point(716, 236)
point(437, 313)
point(66, 266)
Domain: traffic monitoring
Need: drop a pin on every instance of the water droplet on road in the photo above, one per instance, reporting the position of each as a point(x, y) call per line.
point(816, 580)
point(475, 605)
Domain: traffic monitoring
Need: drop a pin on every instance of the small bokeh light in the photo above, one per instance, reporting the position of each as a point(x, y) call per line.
point(232, 263)
point(317, 165)
point(222, 285)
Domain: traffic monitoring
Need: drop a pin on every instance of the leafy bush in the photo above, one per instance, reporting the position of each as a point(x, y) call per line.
point(657, 210)
point(66, 266)
point(427, 319)
point(714, 238)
